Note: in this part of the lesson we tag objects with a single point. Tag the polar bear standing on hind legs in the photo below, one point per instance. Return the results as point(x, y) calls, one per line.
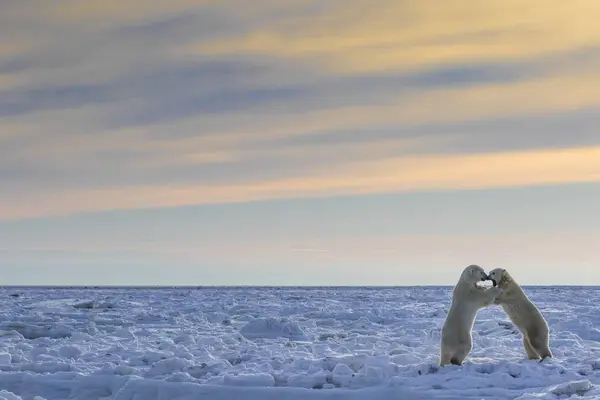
point(523, 314)
point(467, 300)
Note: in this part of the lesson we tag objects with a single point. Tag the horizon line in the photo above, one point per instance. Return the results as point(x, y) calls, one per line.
point(262, 286)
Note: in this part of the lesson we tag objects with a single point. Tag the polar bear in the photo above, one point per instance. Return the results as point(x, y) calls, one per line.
point(467, 299)
point(523, 314)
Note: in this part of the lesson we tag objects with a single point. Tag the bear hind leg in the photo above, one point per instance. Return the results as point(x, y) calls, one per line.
point(444, 361)
point(445, 358)
point(452, 357)
point(540, 346)
point(460, 354)
point(531, 353)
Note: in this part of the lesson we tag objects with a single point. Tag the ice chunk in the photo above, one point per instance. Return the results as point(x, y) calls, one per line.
point(271, 328)
point(259, 379)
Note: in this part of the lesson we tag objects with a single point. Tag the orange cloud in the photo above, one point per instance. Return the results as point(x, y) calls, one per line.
point(361, 36)
point(11, 81)
point(453, 172)
point(11, 47)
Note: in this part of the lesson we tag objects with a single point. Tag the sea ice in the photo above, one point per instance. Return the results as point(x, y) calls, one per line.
point(292, 343)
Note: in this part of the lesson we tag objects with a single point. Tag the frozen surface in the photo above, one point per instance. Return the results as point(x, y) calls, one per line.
point(275, 343)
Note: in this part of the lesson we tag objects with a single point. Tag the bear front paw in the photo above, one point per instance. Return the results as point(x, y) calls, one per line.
point(496, 291)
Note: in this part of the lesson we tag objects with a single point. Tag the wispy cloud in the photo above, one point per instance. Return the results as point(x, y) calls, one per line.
point(438, 172)
point(378, 35)
point(111, 105)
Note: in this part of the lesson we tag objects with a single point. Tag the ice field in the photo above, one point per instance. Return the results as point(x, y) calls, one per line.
point(283, 343)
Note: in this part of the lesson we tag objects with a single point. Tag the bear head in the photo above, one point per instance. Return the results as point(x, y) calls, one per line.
point(473, 274)
point(500, 277)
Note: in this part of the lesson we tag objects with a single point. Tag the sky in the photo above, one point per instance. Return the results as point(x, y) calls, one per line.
point(298, 142)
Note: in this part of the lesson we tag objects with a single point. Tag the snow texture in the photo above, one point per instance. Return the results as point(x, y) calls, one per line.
point(283, 343)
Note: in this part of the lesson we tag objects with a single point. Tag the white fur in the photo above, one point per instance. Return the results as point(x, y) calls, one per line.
point(467, 299)
point(523, 314)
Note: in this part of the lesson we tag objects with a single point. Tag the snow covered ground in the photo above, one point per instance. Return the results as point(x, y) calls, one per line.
point(283, 343)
